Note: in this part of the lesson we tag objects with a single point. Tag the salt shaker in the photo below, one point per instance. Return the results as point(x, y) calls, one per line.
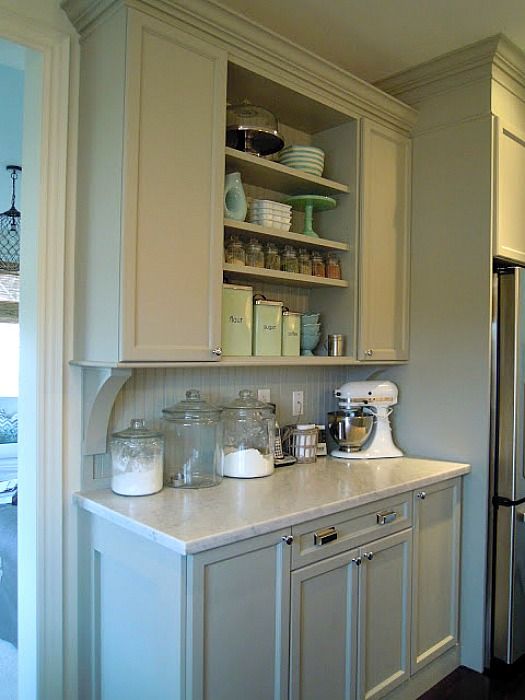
point(137, 460)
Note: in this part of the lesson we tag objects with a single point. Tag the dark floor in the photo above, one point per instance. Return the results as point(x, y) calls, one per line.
point(465, 684)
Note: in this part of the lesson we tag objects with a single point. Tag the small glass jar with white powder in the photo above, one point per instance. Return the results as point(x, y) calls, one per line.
point(137, 459)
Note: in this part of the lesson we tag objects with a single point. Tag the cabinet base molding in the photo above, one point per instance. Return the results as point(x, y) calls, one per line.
point(427, 677)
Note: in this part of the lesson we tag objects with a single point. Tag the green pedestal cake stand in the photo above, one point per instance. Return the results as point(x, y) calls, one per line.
point(310, 203)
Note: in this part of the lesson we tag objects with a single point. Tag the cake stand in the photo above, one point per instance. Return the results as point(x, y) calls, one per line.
point(310, 203)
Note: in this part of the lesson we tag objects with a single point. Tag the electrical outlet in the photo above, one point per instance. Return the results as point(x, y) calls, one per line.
point(264, 395)
point(297, 403)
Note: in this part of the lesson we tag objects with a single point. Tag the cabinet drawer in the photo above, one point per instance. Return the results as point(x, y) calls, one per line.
point(318, 539)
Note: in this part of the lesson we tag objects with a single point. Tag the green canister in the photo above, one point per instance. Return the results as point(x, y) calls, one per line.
point(291, 334)
point(237, 319)
point(267, 323)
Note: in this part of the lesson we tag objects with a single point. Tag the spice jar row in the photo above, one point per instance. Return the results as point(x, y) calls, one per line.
point(286, 258)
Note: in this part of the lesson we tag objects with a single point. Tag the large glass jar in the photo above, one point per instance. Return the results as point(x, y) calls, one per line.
point(248, 437)
point(318, 266)
point(193, 443)
point(333, 267)
point(136, 460)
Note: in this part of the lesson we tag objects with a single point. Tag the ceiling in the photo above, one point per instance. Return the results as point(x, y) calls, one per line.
point(376, 38)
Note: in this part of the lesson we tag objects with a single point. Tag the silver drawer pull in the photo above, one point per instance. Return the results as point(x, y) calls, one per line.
point(386, 516)
point(321, 537)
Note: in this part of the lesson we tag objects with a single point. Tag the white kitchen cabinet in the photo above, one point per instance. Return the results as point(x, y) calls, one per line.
point(350, 610)
point(384, 254)
point(238, 614)
point(435, 592)
point(509, 203)
point(153, 91)
point(150, 180)
point(335, 607)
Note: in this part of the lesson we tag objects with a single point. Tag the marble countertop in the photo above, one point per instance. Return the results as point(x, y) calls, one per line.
point(190, 521)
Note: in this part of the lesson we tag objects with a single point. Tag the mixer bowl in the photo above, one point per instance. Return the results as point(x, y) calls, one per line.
point(350, 428)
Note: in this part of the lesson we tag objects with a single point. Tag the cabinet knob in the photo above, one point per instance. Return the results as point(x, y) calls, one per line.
point(368, 555)
point(287, 539)
point(217, 350)
point(421, 495)
point(357, 561)
point(369, 352)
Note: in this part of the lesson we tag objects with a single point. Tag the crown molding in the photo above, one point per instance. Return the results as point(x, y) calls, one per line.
point(261, 50)
point(494, 58)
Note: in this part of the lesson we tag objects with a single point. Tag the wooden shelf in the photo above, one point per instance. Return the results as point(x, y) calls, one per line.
point(278, 277)
point(275, 234)
point(280, 178)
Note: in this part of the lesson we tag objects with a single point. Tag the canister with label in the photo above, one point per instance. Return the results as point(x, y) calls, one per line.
point(237, 319)
point(267, 323)
point(291, 335)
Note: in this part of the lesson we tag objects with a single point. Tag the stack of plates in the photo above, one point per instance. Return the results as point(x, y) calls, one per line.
point(306, 158)
point(265, 212)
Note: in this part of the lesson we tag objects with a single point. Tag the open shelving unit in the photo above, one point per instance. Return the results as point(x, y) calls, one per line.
point(303, 121)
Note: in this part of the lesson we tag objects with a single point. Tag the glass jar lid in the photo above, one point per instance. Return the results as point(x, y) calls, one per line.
point(136, 430)
point(193, 407)
point(247, 401)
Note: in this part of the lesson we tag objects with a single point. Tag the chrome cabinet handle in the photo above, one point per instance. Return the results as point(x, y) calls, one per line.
point(217, 350)
point(329, 534)
point(421, 495)
point(386, 517)
point(369, 352)
point(287, 539)
point(357, 561)
point(368, 555)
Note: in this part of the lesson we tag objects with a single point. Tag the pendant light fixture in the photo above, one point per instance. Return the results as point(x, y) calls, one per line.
point(10, 229)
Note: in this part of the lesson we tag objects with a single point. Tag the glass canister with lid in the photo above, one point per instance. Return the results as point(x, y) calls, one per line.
point(137, 455)
point(248, 437)
point(254, 253)
point(194, 453)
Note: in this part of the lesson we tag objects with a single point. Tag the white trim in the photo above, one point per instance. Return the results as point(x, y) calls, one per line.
point(44, 664)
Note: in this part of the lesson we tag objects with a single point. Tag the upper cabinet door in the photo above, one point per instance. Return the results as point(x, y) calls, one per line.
point(384, 244)
point(509, 176)
point(173, 171)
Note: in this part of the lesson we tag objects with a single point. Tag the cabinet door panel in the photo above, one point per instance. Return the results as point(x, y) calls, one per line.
point(436, 572)
point(510, 204)
point(323, 630)
point(384, 245)
point(238, 621)
point(172, 215)
point(384, 615)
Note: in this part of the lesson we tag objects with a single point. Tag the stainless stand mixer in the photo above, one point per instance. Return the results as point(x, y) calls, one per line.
point(361, 428)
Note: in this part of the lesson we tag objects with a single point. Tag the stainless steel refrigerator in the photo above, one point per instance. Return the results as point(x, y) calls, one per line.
point(506, 594)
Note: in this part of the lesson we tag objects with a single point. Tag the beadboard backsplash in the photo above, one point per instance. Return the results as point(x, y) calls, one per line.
point(148, 391)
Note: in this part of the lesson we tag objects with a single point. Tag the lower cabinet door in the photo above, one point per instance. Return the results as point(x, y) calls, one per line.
point(323, 662)
point(384, 615)
point(238, 621)
point(437, 515)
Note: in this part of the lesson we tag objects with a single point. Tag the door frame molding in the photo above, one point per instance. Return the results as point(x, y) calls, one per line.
point(41, 561)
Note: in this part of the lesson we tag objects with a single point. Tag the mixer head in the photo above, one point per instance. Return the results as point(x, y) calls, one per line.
point(379, 394)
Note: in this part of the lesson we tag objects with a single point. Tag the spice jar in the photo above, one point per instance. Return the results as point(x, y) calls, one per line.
point(248, 437)
point(333, 267)
point(193, 443)
point(254, 254)
point(318, 266)
point(305, 262)
point(272, 257)
point(234, 252)
point(137, 456)
point(289, 262)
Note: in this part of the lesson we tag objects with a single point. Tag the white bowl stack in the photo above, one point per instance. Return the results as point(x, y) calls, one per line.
point(309, 159)
point(265, 212)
